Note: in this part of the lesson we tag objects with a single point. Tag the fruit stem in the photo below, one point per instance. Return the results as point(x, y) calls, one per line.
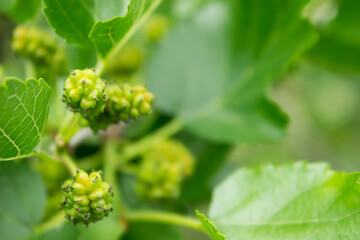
point(132, 150)
point(164, 217)
point(68, 162)
point(56, 220)
point(110, 163)
point(68, 128)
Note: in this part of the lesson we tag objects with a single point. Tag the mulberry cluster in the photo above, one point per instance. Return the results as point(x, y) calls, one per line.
point(128, 102)
point(40, 47)
point(84, 92)
point(86, 198)
point(162, 170)
point(102, 105)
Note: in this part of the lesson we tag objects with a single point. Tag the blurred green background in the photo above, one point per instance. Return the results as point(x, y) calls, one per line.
point(318, 91)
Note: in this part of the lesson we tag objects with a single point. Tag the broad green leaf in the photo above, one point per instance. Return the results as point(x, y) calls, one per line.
point(24, 110)
point(291, 201)
point(217, 85)
point(336, 53)
point(71, 19)
point(22, 200)
point(339, 44)
point(20, 10)
point(107, 34)
point(209, 227)
point(267, 36)
point(150, 231)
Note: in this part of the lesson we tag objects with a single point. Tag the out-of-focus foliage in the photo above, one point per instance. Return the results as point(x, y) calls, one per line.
point(292, 201)
point(249, 82)
point(20, 10)
point(223, 97)
point(23, 196)
point(339, 44)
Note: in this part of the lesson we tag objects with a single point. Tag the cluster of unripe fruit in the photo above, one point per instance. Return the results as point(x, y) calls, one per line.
point(103, 104)
point(83, 91)
point(40, 47)
point(127, 102)
point(163, 169)
point(86, 198)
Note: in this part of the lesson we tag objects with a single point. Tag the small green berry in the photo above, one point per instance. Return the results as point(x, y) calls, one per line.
point(156, 28)
point(128, 61)
point(124, 103)
point(162, 170)
point(83, 92)
point(86, 199)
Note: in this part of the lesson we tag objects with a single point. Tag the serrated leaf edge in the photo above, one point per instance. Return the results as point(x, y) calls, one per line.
point(212, 230)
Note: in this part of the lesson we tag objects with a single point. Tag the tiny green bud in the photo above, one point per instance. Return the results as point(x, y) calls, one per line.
point(78, 188)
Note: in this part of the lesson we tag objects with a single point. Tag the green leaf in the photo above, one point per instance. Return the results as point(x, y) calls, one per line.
point(216, 80)
point(266, 37)
point(339, 44)
point(261, 121)
point(71, 19)
point(116, 31)
point(199, 95)
point(335, 53)
point(291, 201)
point(24, 111)
point(20, 10)
point(22, 200)
point(209, 227)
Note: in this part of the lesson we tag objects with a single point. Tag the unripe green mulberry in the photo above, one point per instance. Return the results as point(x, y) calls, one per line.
point(40, 47)
point(125, 103)
point(127, 62)
point(156, 28)
point(84, 92)
point(86, 198)
point(162, 170)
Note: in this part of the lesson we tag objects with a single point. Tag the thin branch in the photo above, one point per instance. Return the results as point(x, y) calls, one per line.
point(132, 150)
point(56, 220)
point(165, 217)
